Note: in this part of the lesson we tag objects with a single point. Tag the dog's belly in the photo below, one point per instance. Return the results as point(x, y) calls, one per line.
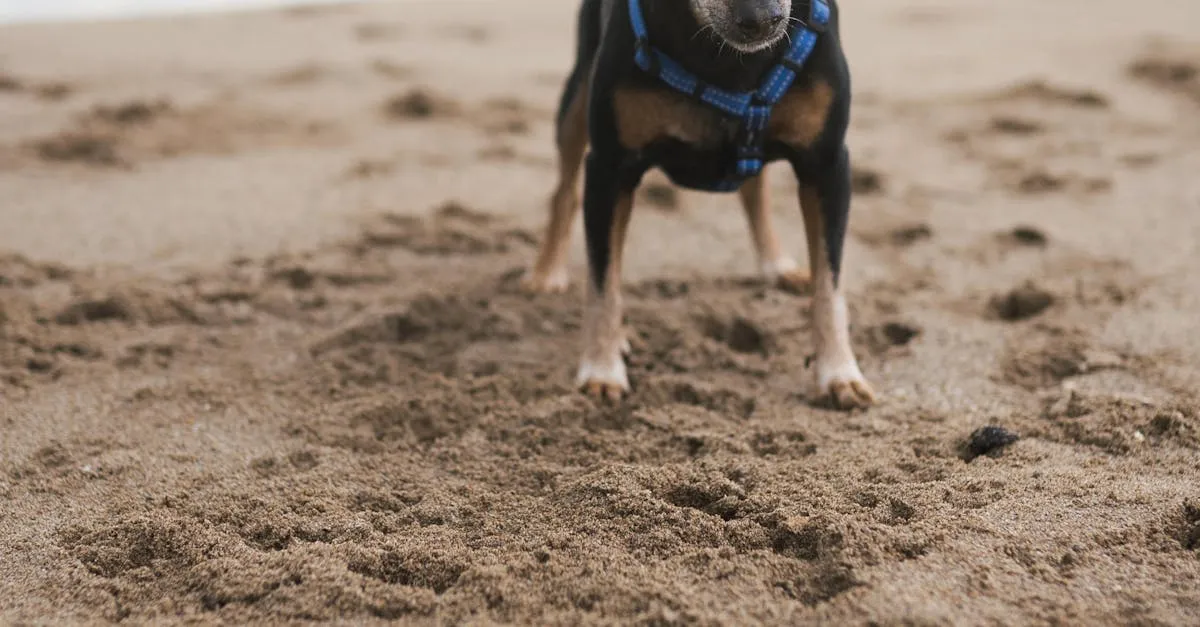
point(690, 142)
point(691, 167)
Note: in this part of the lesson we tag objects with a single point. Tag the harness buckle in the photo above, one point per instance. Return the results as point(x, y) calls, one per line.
point(750, 145)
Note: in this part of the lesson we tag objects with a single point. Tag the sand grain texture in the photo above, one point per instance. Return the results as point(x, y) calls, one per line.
point(264, 357)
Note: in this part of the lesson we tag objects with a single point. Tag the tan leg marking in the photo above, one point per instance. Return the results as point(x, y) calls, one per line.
point(549, 272)
point(838, 375)
point(646, 115)
point(775, 265)
point(602, 372)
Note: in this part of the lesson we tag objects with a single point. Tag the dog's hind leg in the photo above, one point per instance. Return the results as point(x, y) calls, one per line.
point(775, 265)
point(549, 272)
point(826, 206)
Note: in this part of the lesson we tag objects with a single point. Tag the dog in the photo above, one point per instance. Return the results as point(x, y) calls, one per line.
point(709, 92)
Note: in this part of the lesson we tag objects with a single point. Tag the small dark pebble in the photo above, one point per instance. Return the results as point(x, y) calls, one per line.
point(985, 440)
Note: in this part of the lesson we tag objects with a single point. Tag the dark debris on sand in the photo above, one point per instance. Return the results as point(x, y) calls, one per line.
point(987, 440)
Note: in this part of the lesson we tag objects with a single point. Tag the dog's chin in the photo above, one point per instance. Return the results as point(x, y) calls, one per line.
point(750, 46)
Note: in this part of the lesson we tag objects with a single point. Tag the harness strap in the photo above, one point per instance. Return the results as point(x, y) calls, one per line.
point(752, 107)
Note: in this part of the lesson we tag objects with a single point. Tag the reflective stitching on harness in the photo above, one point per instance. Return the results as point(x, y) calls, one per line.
point(754, 107)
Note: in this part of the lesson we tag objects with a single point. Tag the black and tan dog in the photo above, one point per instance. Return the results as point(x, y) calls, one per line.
point(709, 91)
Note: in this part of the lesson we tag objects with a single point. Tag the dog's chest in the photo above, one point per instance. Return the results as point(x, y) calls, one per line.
point(649, 115)
point(693, 142)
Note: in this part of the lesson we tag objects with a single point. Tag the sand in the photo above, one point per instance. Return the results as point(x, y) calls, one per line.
point(264, 357)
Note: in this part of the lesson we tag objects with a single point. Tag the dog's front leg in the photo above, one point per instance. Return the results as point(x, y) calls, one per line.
point(825, 201)
point(607, 205)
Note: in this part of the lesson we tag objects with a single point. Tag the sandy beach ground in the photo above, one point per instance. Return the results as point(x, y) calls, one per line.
point(263, 355)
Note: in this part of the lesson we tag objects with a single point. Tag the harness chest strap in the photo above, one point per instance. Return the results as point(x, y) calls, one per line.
point(753, 108)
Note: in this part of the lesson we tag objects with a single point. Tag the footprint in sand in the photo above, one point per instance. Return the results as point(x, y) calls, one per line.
point(495, 117)
point(451, 230)
point(47, 91)
point(1175, 72)
point(123, 134)
point(379, 31)
point(300, 75)
point(420, 104)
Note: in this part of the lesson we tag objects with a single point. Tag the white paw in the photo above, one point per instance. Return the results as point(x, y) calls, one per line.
point(785, 272)
point(553, 281)
point(603, 379)
point(845, 386)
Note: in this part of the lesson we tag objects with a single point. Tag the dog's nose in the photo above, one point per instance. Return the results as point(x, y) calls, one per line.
point(759, 23)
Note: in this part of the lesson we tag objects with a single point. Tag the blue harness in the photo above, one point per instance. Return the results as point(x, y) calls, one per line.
point(752, 108)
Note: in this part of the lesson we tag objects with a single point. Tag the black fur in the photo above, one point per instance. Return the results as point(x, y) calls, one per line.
point(605, 57)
